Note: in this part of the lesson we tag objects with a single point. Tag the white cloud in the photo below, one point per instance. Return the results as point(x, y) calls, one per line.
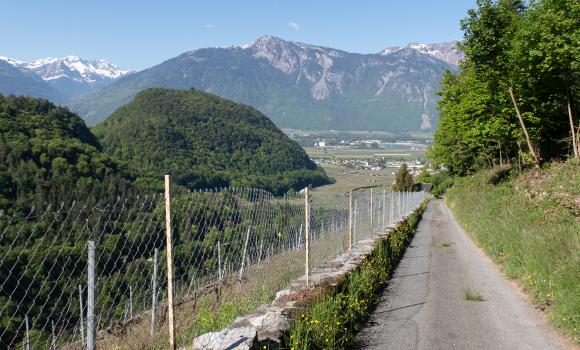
point(209, 26)
point(294, 25)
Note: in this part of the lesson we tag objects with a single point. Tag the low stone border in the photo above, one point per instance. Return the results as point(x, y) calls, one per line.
point(270, 323)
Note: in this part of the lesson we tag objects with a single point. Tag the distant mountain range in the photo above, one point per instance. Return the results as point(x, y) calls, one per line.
point(447, 51)
point(297, 85)
point(58, 79)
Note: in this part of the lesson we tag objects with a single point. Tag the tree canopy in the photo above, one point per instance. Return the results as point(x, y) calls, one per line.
point(530, 50)
point(205, 141)
point(403, 179)
point(47, 154)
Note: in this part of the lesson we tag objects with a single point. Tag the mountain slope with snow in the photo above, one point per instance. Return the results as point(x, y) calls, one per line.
point(297, 85)
point(15, 81)
point(447, 51)
point(70, 76)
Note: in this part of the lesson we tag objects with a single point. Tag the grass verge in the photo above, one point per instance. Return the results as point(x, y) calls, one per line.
point(529, 224)
point(333, 320)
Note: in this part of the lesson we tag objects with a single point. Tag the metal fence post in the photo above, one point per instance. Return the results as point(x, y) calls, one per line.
point(372, 213)
point(219, 251)
point(350, 222)
point(170, 314)
point(154, 293)
point(91, 297)
point(261, 247)
point(306, 235)
point(355, 223)
point(27, 336)
point(244, 253)
point(53, 336)
point(391, 208)
point(82, 324)
point(130, 302)
point(384, 209)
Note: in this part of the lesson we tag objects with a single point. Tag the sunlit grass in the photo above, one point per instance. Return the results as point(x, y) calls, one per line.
point(530, 225)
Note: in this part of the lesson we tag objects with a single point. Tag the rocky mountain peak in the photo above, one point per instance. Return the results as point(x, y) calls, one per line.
point(446, 51)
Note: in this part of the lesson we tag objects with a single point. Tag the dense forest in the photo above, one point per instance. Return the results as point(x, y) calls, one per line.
point(515, 98)
point(205, 141)
point(61, 186)
point(48, 155)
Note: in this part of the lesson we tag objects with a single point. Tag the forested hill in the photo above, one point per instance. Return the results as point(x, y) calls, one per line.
point(48, 155)
point(204, 141)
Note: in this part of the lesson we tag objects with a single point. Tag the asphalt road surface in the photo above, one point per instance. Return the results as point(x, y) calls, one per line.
point(424, 306)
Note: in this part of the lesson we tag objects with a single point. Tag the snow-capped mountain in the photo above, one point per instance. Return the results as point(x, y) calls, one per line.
point(75, 68)
point(297, 85)
point(447, 51)
point(70, 76)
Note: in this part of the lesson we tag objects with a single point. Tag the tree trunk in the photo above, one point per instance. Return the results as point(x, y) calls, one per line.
point(530, 147)
point(574, 141)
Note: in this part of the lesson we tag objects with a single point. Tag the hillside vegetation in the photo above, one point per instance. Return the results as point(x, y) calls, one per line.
point(529, 224)
point(59, 187)
point(47, 154)
point(515, 97)
point(205, 141)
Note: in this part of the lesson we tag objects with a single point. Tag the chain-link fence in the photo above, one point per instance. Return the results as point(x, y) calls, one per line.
point(75, 275)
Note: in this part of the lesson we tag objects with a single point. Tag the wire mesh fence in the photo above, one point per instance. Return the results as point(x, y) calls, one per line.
point(75, 275)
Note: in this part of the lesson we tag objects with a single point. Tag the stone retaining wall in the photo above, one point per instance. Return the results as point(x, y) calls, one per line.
point(270, 323)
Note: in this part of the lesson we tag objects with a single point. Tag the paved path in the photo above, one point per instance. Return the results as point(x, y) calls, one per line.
point(424, 306)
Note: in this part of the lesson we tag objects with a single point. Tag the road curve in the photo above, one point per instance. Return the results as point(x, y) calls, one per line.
point(424, 306)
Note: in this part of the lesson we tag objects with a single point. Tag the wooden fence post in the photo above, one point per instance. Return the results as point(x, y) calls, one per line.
point(91, 297)
point(306, 235)
point(169, 248)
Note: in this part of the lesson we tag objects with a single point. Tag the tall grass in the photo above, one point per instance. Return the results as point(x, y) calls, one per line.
point(529, 224)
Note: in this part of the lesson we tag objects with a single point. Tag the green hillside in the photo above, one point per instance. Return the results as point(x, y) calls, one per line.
point(47, 154)
point(205, 141)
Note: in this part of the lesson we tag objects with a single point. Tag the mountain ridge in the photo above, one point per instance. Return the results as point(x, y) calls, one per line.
point(70, 76)
point(297, 84)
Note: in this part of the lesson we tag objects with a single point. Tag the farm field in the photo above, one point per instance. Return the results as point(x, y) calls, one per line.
point(365, 153)
point(347, 178)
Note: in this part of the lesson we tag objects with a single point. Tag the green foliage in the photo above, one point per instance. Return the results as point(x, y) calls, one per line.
point(403, 179)
point(49, 158)
point(333, 321)
point(425, 176)
point(48, 155)
point(530, 50)
point(205, 141)
point(442, 183)
point(528, 224)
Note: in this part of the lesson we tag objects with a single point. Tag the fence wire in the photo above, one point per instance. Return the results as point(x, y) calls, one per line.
point(221, 238)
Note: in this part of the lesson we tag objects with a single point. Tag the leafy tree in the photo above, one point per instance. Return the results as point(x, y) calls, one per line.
point(403, 180)
point(518, 85)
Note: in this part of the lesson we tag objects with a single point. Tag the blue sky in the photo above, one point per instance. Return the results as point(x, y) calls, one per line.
point(139, 34)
